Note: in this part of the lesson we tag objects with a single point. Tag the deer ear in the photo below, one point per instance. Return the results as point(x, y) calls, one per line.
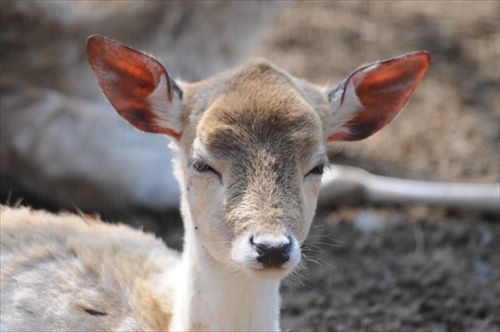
point(372, 96)
point(137, 86)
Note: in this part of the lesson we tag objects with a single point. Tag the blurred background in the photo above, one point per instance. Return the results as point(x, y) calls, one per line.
point(369, 268)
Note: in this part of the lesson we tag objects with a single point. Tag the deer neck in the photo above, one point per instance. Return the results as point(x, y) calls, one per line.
point(212, 297)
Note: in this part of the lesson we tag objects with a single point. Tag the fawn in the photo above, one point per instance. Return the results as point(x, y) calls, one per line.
point(250, 152)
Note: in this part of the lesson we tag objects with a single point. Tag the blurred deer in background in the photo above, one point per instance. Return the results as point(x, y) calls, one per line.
point(60, 143)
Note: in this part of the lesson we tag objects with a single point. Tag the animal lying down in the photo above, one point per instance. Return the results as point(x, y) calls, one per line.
point(250, 146)
point(68, 272)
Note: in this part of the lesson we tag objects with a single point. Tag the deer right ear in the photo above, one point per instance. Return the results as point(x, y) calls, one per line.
point(372, 96)
point(137, 86)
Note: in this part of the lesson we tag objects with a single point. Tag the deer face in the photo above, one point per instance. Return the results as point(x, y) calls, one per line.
point(254, 172)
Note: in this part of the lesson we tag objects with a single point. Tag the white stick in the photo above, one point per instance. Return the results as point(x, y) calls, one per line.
point(348, 184)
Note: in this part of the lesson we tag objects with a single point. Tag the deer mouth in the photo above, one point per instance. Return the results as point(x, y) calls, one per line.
point(270, 273)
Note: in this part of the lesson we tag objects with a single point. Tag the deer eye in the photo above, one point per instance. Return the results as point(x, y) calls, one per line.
point(318, 170)
point(202, 167)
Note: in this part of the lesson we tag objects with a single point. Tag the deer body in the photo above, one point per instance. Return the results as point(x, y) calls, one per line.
point(250, 151)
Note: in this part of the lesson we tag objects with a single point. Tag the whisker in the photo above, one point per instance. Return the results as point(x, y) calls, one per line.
point(321, 261)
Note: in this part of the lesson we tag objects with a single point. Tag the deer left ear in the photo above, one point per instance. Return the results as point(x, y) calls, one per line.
point(137, 86)
point(371, 97)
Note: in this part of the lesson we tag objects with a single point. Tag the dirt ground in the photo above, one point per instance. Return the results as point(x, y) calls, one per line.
point(422, 268)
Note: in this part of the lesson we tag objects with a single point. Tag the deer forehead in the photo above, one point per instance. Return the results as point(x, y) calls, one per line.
point(260, 115)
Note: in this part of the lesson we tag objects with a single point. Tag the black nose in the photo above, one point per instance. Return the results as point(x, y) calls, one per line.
point(272, 254)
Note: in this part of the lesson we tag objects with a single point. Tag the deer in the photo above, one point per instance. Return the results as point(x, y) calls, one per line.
point(249, 147)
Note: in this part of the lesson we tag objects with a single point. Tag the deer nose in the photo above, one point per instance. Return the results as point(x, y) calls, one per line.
point(272, 252)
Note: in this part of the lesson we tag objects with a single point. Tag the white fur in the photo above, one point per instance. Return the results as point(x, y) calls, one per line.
point(345, 104)
point(158, 101)
point(217, 298)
